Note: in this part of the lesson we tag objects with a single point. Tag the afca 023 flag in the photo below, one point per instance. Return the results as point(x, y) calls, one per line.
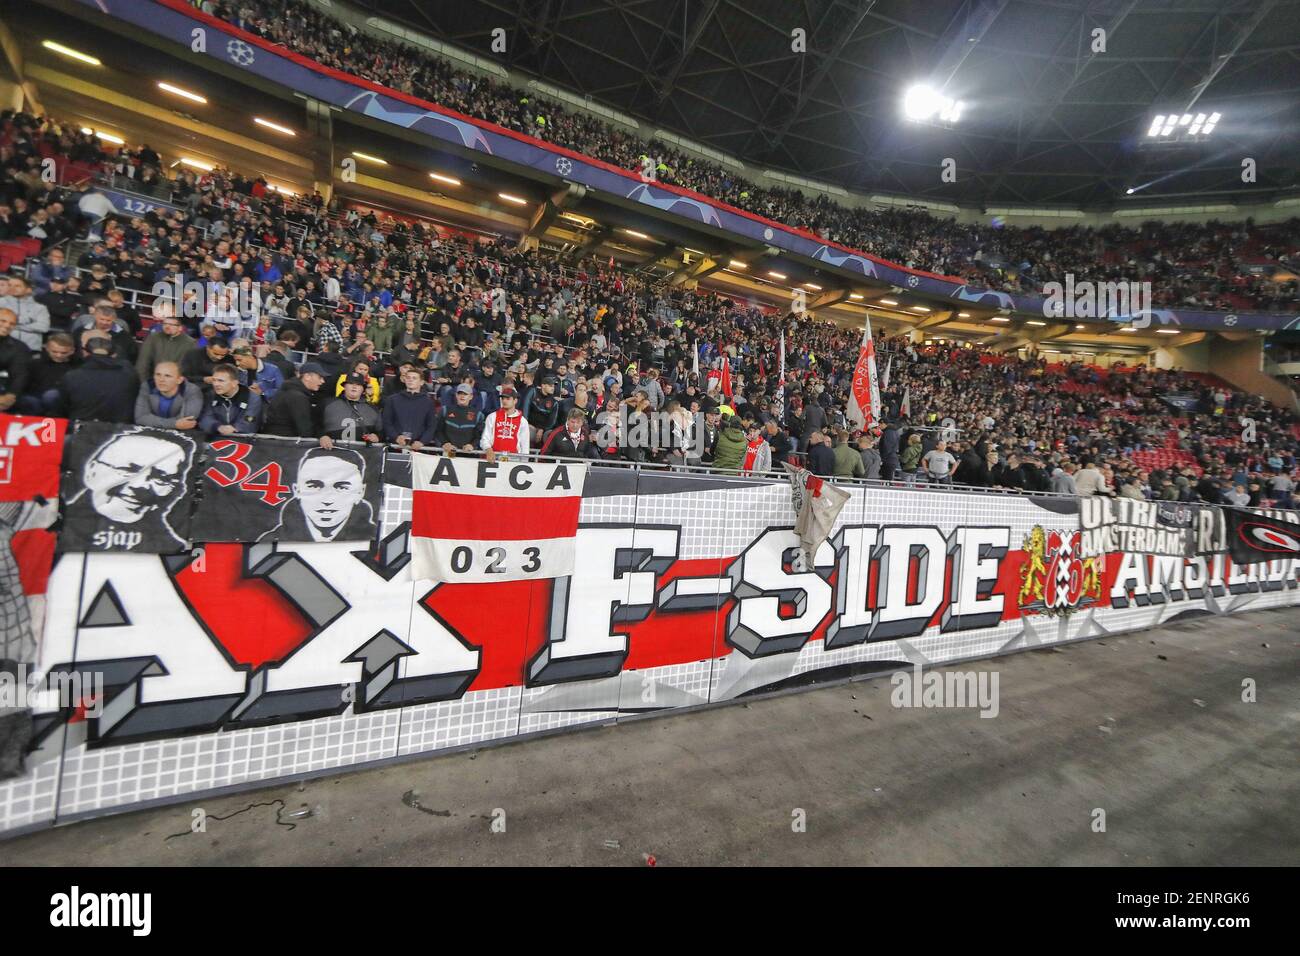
point(480, 521)
point(1253, 537)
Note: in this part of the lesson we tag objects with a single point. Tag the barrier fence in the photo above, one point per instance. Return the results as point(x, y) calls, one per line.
point(229, 665)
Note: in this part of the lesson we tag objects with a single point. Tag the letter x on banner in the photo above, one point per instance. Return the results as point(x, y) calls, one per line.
point(478, 521)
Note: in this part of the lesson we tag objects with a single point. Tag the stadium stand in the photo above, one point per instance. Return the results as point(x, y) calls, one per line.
point(1217, 266)
point(339, 286)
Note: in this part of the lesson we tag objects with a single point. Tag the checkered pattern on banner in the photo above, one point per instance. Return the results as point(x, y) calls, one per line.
point(67, 777)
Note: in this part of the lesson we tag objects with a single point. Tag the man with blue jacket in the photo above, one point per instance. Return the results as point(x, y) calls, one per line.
point(233, 409)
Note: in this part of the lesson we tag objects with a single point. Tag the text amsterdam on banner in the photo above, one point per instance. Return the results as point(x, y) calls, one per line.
point(473, 520)
point(278, 490)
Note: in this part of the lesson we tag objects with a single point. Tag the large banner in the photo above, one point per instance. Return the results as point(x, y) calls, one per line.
point(242, 663)
point(1172, 528)
point(127, 489)
point(282, 490)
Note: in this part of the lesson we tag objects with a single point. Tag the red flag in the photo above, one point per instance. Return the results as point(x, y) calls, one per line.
point(864, 397)
point(725, 383)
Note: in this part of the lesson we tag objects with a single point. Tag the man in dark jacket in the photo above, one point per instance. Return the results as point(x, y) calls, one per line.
point(197, 366)
point(461, 424)
point(542, 408)
point(821, 457)
point(409, 417)
point(233, 409)
point(350, 417)
point(104, 388)
point(45, 373)
point(889, 460)
point(296, 411)
point(15, 361)
point(571, 440)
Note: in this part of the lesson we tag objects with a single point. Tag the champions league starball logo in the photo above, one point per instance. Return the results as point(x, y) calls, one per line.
point(240, 52)
point(1055, 579)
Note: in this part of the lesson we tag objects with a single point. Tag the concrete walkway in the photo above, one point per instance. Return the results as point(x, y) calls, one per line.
point(1150, 728)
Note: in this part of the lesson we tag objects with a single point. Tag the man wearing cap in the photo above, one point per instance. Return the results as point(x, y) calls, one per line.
point(350, 417)
point(460, 426)
point(542, 408)
point(104, 388)
point(261, 377)
point(505, 430)
point(296, 411)
point(408, 416)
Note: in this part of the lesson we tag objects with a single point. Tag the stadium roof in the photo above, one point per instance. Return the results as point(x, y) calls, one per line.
point(1046, 121)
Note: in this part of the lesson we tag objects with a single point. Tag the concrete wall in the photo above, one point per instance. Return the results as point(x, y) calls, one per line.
point(1240, 361)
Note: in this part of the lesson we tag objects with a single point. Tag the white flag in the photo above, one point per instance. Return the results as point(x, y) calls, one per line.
point(864, 395)
point(817, 503)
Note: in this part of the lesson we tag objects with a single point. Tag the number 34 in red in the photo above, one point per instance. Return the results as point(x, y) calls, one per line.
point(233, 453)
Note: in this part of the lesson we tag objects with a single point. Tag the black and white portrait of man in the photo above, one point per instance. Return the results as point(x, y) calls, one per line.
point(329, 500)
point(129, 487)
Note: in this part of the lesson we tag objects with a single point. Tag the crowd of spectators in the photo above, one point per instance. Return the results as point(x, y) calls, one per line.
point(1211, 266)
point(304, 319)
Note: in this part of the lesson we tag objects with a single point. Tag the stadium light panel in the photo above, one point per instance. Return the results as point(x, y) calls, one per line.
point(776, 275)
point(889, 302)
point(514, 199)
point(1166, 331)
point(1034, 322)
point(1156, 123)
point(809, 285)
point(179, 91)
point(630, 232)
point(855, 295)
point(370, 159)
point(197, 164)
point(275, 126)
point(450, 181)
point(70, 52)
point(919, 308)
point(922, 102)
point(963, 315)
point(1000, 318)
point(737, 264)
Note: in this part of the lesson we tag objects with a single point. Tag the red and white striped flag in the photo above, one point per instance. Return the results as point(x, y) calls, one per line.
point(478, 521)
point(864, 396)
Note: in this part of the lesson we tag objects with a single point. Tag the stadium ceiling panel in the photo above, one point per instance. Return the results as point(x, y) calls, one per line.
point(1048, 117)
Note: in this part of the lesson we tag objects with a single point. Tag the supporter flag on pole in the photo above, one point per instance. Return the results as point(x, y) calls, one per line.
point(905, 409)
point(695, 359)
point(864, 396)
point(480, 521)
point(725, 383)
point(884, 379)
point(780, 388)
